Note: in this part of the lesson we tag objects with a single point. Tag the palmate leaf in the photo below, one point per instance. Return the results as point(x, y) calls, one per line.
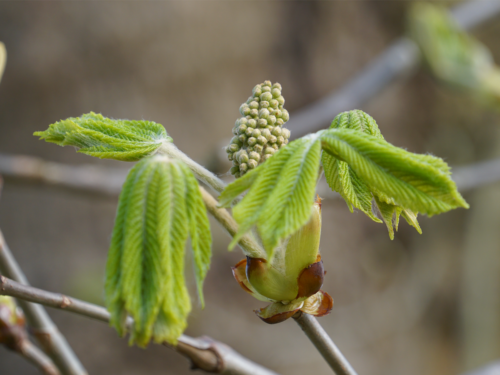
point(281, 193)
point(419, 183)
point(159, 207)
point(106, 138)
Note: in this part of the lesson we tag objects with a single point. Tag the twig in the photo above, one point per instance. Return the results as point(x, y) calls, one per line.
point(398, 60)
point(324, 344)
point(205, 353)
point(37, 357)
point(44, 329)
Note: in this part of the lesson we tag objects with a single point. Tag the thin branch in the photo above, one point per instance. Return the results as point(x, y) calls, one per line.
point(398, 60)
point(324, 344)
point(205, 353)
point(37, 358)
point(44, 329)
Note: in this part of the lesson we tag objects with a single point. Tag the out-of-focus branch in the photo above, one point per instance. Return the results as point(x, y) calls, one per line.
point(324, 344)
point(398, 60)
point(205, 353)
point(37, 358)
point(46, 332)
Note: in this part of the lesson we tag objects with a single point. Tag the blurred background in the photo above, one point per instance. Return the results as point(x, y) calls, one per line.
point(420, 304)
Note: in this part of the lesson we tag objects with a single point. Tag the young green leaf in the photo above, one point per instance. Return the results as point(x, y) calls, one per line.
point(281, 193)
point(105, 138)
point(420, 183)
point(160, 206)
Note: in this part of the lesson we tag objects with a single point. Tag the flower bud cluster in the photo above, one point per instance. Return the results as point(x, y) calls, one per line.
point(259, 133)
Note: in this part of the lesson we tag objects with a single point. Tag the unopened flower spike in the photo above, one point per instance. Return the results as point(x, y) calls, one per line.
point(292, 278)
point(259, 133)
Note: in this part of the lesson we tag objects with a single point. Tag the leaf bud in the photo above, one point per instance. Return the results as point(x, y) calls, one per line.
point(251, 141)
point(252, 123)
point(266, 96)
point(252, 163)
point(271, 119)
point(284, 115)
point(254, 112)
point(276, 92)
point(258, 148)
point(262, 123)
point(264, 104)
point(264, 113)
point(255, 156)
point(245, 109)
point(262, 140)
point(256, 133)
point(243, 167)
point(254, 105)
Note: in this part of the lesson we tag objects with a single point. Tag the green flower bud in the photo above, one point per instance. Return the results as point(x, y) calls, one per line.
point(266, 89)
point(285, 133)
point(254, 112)
point(251, 141)
point(234, 170)
point(242, 120)
point(276, 131)
point(262, 140)
point(258, 148)
point(256, 133)
point(285, 116)
point(243, 158)
point(271, 119)
point(281, 100)
point(253, 105)
point(280, 140)
point(276, 147)
point(241, 129)
point(267, 83)
point(267, 156)
point(269, 150)
point(282, 145)
point(233, 147)
point(249, 100)
point(243, 167)
point(274, 103)
point(244, 109)
point(277, 86)
point(249, 132)
point(278, 113)
point(263, 113)
point(237, 175)
point(272, 139)
point(252, 163)
point(242, 138)
point(279, 121)
point(262, 123)
point(266, 96)
point(266, 133)
point(230, 156)
point(250, 149)
point(252, 123)
point(276, 92)
point(257, 90)
point(264, 104)
point(235, 140)
point(254, 156)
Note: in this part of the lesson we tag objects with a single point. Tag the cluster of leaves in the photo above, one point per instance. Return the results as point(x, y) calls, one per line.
point(358, 163)
point(453, 56)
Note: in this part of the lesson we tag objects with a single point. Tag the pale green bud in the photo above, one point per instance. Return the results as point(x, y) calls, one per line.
point(243, 167)
point(235, 140)
point(267, 83)
point(271, 119)
point(279, 121)
point(280, 140)
point(266, 133)
point(257, 90)
point(258, 148)
point(262, 140)
point(254, 112)
point(256, 133)
point(264, 113)
point(234, 170)
point(255, 156)
point(253, 105)
point(264, 104)
point(242, 138)
point(242, 120)
point(241, 129)
point(276, 147)
point(285, 133)
point(266, 96)
point(250, 149)
point(267, 156)
point(277, 86)
point(266, 89)
point(285, 116)
point(243, 158)
point(252, 164)
point(237, 175)
point(252, 123)
point(281, 100)
point(244, 109)
point(249, 132)
point(274, 103)
point(276, 93)
point(250, 99)
point(272, 139)
point(230, 156)
point(252, 141)
point(283, 145)
point(262, 123)
point(269, 150)
point(276, 131)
